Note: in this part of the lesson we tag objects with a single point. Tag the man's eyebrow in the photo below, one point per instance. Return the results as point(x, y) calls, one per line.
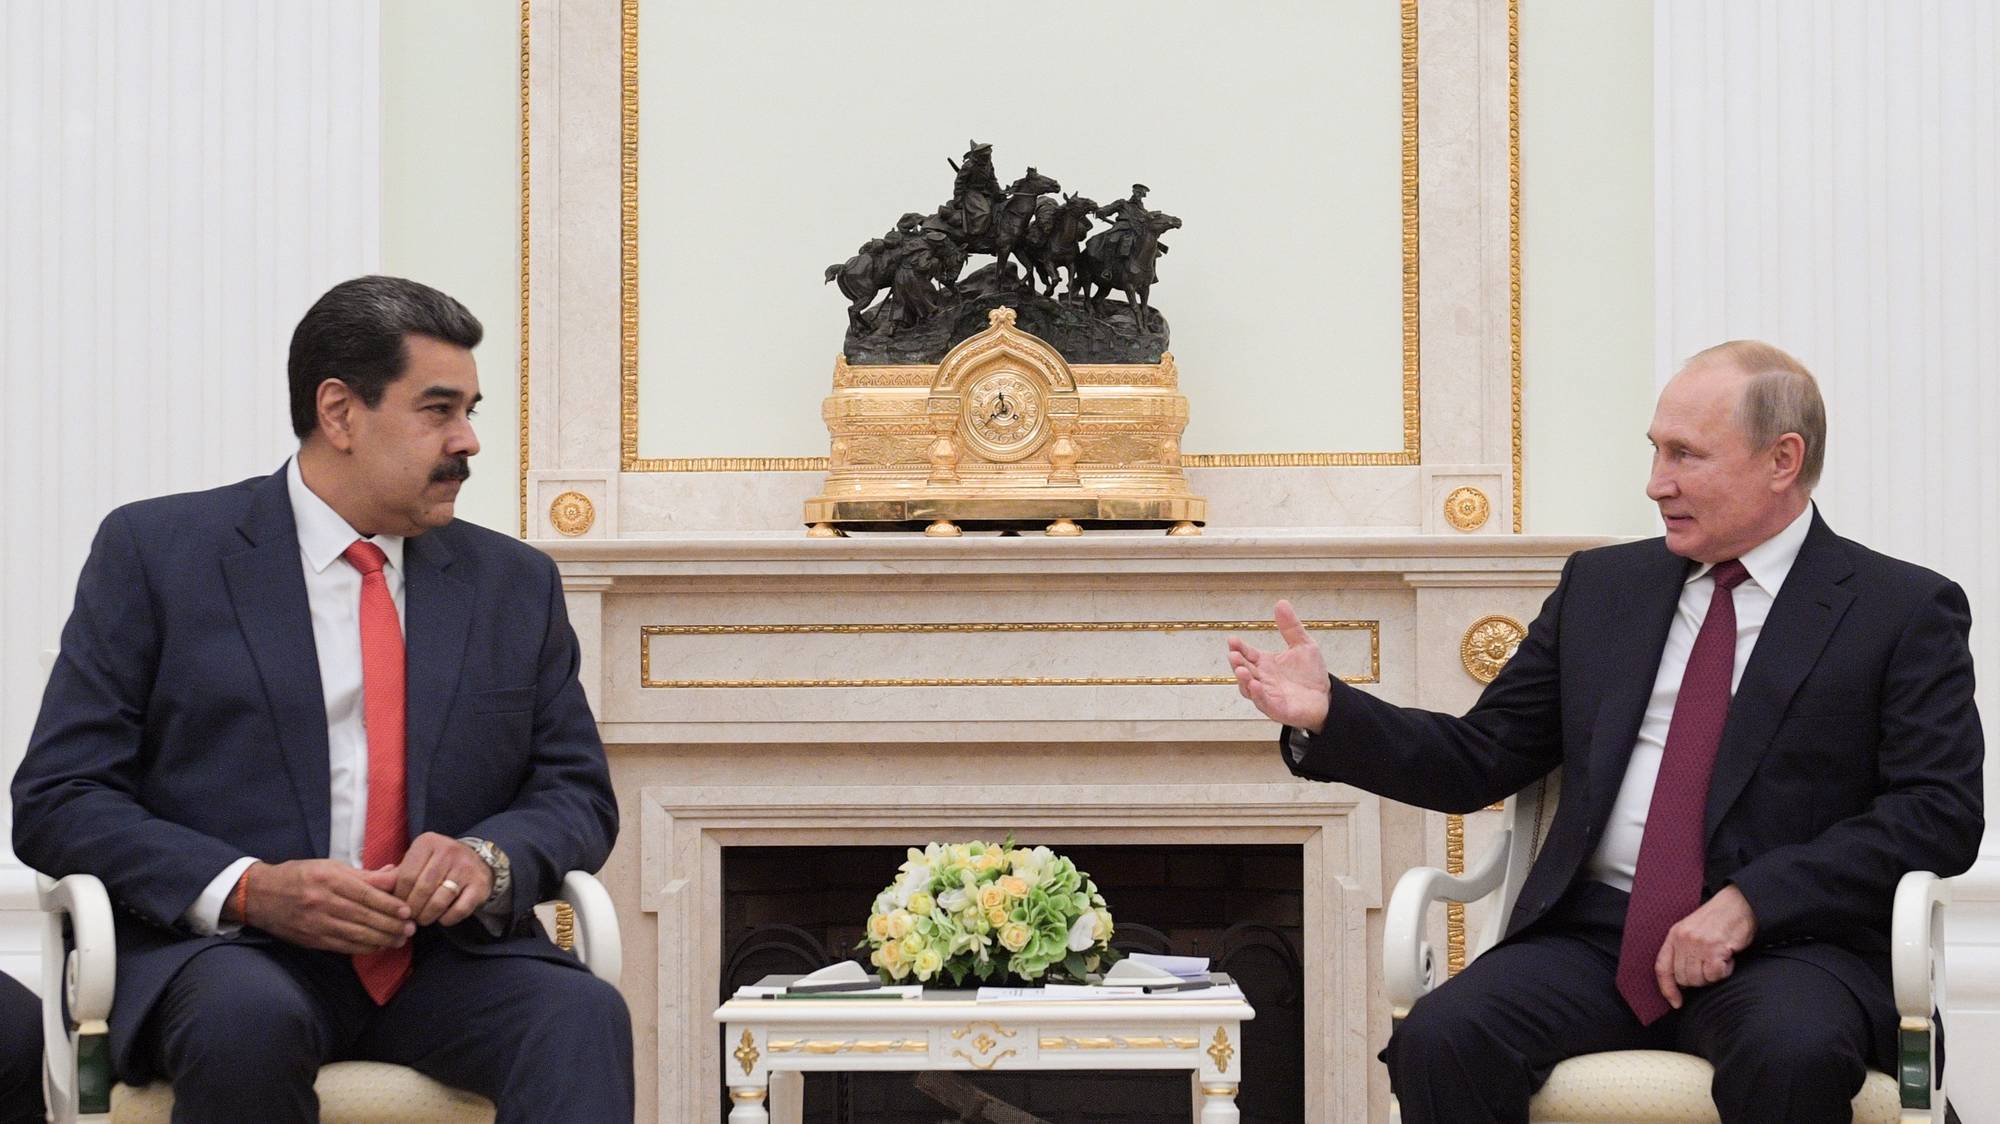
point(446, 394)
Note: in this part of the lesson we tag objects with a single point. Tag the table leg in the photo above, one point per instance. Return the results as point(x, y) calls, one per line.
point(749, 1105)
point(1218, 1104)
point(788, 1096)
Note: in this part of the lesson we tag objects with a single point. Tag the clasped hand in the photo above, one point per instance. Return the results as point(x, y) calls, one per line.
point(326, 904)
point(1289, 686)
point(1701, 948)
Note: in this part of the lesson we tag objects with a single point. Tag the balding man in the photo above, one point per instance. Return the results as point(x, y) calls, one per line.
point(1760, 727)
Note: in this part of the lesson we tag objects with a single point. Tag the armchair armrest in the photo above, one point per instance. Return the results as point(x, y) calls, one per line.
point(79, 975)
point(1409, 967)
point(1916, 952)
point(594, 938)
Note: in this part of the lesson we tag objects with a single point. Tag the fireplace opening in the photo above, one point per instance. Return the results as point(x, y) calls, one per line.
point(793, 909)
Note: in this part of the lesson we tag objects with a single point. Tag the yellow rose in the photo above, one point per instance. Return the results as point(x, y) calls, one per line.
point(920, 902)
point(1014, 936)
point(878, 927)
point(996, 917)
point(991, 897)
point(892, 956)
point(1103, 930)
point(913, 944)
point(1014, 885)
point(899, 925)
point(928, 963)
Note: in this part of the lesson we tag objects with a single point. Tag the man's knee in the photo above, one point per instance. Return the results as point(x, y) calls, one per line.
point(1438, 1028)
point(587, 1007)
point(234, 1008)
point(1803, 1054)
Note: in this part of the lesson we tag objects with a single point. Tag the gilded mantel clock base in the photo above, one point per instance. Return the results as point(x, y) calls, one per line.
point(1005, 435)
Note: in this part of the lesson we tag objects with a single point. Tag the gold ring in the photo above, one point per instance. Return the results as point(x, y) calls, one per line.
point(450, 886)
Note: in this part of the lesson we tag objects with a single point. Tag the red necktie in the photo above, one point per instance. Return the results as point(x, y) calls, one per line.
point(1666, 881)
point(387, 833)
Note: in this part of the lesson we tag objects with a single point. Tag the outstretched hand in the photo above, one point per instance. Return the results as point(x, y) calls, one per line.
point(1289, 686)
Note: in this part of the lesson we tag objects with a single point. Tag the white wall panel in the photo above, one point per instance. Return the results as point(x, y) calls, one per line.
point(179, 181)
point(1827, 177)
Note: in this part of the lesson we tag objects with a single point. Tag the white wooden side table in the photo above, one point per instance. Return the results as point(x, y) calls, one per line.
point(769, 1044)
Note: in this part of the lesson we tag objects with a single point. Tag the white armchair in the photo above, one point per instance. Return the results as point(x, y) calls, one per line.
point(79, 974)
point(1648, 1086)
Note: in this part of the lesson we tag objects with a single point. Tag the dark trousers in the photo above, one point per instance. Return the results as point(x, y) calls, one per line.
point(20, 1054)
point(1788, 1040)
point(242, 1030)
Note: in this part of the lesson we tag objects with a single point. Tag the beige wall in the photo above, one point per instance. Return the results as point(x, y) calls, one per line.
point(451, 174)
point(1587, 264)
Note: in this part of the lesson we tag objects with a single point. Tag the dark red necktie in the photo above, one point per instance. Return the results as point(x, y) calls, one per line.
point(1666, 881)
point(386, 834)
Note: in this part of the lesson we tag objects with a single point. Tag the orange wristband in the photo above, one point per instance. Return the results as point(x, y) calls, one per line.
point(243, 897)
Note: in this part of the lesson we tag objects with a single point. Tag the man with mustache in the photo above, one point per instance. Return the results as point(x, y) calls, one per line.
point(326, 747)
point(1759, 727)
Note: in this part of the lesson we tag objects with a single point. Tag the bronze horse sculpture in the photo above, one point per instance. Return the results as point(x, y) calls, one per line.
point(1056, 240)
point(1124, 259)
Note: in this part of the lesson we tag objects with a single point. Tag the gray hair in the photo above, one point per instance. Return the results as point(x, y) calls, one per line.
point(1780, 397)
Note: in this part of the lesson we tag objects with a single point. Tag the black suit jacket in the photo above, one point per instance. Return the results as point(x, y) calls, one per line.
point(183, 726)
point(1851, 755)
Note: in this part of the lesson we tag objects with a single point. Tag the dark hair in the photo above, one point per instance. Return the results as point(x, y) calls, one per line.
point(355, 334)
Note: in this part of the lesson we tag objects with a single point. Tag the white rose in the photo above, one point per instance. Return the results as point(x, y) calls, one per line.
point(954, 900)
point(1083, 934)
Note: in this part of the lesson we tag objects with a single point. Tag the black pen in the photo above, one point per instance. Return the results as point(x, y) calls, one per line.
point(1184, 985)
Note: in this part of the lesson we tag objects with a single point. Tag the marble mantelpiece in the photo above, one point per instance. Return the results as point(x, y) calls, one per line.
point(803, 686)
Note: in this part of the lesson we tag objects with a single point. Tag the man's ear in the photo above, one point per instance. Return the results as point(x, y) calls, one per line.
point(1788, 455)
point(337, 403)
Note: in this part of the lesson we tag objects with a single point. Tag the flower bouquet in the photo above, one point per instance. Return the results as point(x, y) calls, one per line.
point(980, 909)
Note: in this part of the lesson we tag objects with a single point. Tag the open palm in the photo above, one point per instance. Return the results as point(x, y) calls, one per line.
point(1290, 685)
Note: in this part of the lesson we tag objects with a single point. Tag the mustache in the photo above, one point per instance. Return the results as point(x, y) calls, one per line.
point(454, 468)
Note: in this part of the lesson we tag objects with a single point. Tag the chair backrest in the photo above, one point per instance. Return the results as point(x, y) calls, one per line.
point(1529, 814)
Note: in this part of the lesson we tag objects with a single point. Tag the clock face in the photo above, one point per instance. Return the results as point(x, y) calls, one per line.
point(1004, 415)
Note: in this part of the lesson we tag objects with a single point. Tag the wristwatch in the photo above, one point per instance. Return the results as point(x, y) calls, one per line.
point(495, 859)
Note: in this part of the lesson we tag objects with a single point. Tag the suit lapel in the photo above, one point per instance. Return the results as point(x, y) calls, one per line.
point(437, 612)
point(1657, 593)
point(267, 586)
point(1803, 617)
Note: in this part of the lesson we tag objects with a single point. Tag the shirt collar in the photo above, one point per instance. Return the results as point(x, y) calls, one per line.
point(1770, 561)
point(323, 534)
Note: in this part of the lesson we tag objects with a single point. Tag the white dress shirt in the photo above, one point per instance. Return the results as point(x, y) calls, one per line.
point(333, 592)
point(1769, 562)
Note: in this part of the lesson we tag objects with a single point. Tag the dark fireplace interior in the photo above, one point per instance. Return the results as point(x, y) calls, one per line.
point(794, 909)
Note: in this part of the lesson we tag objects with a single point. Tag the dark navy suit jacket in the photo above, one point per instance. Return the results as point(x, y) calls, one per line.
point(183, 726)
point(1851, 755)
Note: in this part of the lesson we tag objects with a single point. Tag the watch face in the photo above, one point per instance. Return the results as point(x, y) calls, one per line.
point(1004, 415)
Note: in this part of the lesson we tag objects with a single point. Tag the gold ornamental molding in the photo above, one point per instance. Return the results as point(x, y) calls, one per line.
point(746, 1053)
point(628, 443)
point(572, 514)
point(1118, 1042)
point(1466, 508)
point(1454, 912)
point(522, 482)
point(648, 632)
point(1221, 1051)
point(834, 1046)
point(1514, 239)
point(1488, 645)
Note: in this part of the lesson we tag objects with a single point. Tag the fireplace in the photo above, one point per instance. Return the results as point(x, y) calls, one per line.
point(793, 909)
point(1272, 881)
